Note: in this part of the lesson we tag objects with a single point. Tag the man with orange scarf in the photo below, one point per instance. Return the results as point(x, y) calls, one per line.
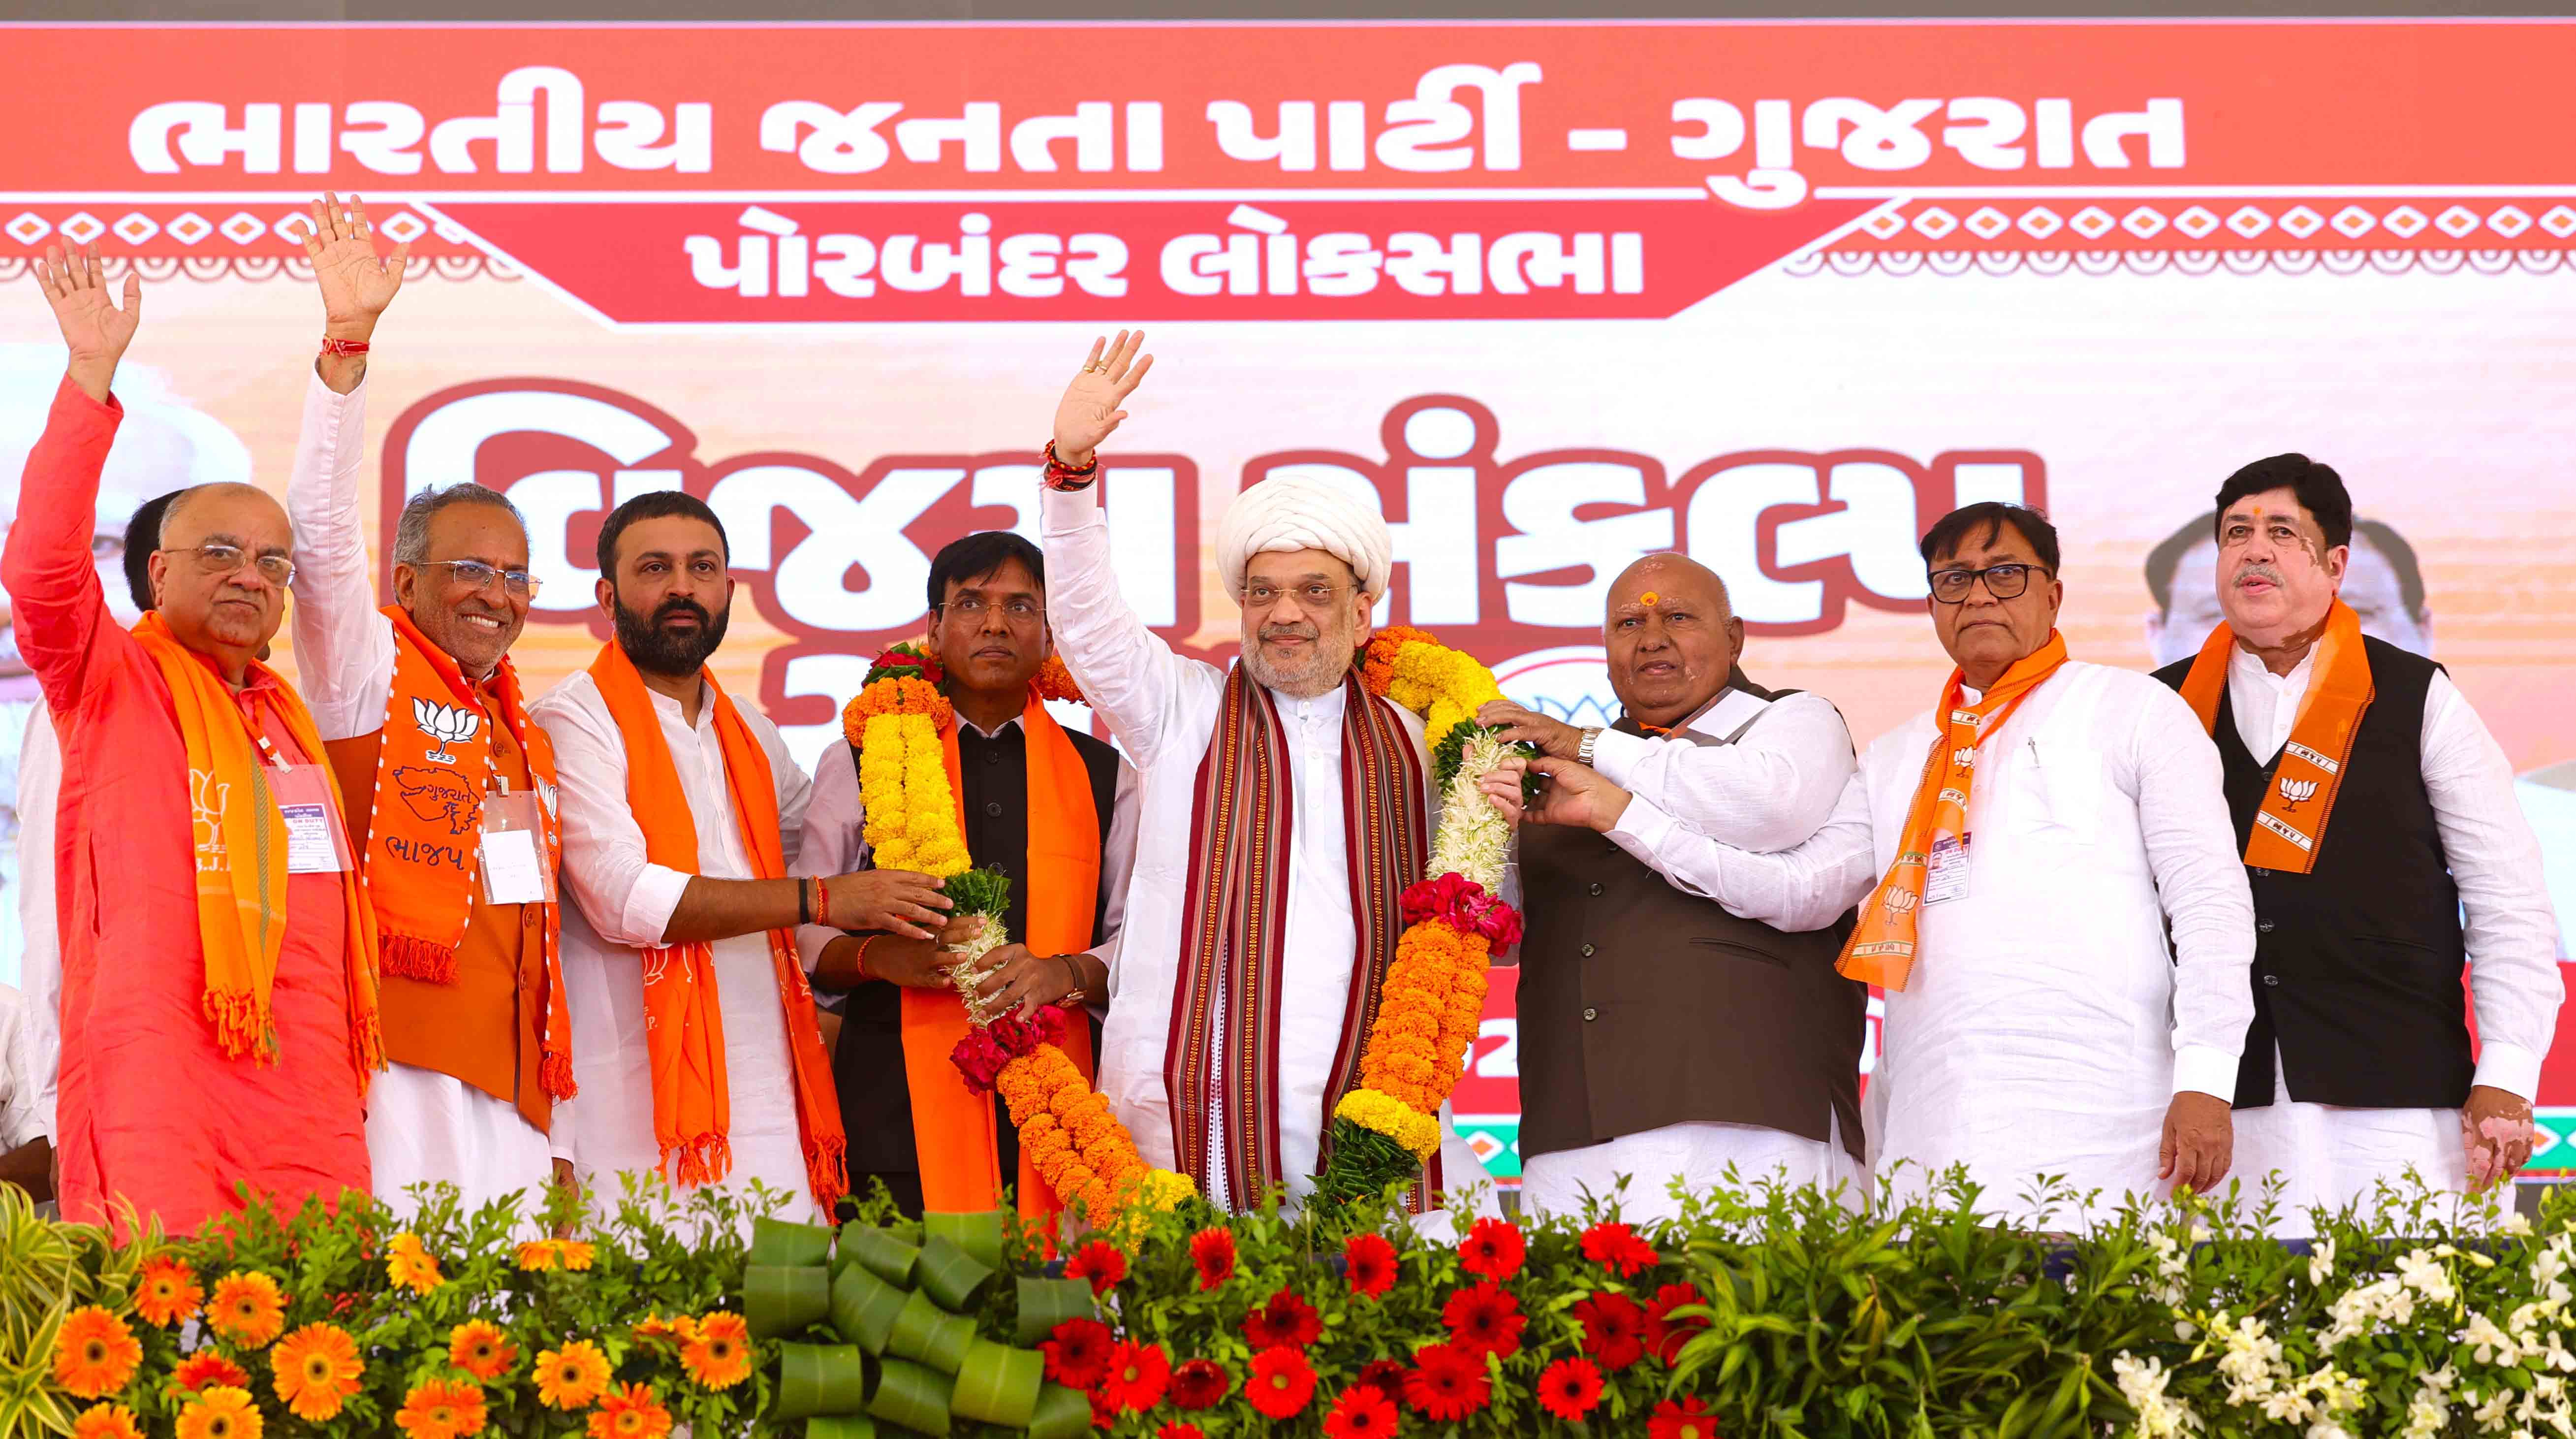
point(219, 962)
point(451, 786)
point(2018, 855)
point(694, 1037)
point(2373, 809)
point(1053, 808)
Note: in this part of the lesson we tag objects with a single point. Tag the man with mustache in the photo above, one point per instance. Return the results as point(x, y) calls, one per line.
point(694, 1038)
point(1054, 809)
point(1627, 967)
point(2021, 853)
point(219, 961)
point(1285, 809)
point(2372, 808)
point(451, 787)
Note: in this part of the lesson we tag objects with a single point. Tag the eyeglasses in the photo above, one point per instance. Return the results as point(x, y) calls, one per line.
point(1019, 610)
point(214, 558)
point(2004, 582)
point(1314, 597)
point(478, 575)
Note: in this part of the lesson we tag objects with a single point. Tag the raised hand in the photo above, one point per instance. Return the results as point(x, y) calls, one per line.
point(94, 329)
point(356, 285)
point(1090, 411)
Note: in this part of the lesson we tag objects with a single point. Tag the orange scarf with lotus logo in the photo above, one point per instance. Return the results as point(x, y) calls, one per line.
point(684, 1027)
point(1881, 948)
point(2292, 822)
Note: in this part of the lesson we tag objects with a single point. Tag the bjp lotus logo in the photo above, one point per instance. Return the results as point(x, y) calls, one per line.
point(2298, 791)
point(207, 800)
point(1964, 757)
point(1900, 901)
point(447, 724)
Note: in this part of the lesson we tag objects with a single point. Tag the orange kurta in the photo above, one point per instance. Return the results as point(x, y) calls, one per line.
point(151, 1109)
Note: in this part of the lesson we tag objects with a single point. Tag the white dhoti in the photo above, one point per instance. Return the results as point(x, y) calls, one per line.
point(424, 1128)
point(1701, 1156)
point(2325, 1156)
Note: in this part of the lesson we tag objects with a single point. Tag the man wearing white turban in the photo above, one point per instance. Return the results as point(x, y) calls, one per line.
point(1284, 810)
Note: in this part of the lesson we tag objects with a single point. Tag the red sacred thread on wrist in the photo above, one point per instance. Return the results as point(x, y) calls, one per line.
point(1061, 476)
point(822, 901)
point(331, 346)
point(859, 961)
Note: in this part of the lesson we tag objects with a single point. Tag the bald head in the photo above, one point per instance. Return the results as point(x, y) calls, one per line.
point(219, 577)
point(1673, 639)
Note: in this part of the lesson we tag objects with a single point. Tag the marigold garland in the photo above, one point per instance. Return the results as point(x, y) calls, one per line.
point(897, 721)
point(1431, 1003)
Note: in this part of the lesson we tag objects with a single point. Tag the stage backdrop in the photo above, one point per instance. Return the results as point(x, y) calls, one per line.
point(1554, 295)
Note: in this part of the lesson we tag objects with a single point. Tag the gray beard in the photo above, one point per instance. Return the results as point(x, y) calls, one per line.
point(1306, 682)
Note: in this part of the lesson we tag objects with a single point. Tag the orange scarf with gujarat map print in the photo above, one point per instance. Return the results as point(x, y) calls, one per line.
point(2292, 821)
point(424, 839)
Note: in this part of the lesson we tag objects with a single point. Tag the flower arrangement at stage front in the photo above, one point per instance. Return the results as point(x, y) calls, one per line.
point(898, 721)
point(1455, 919)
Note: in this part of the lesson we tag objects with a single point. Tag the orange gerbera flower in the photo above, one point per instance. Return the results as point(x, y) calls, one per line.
point(440, 1409)
point(573, 1376)
point(720, 1357)
point(247, 1309)
point(106, 1421)
point(679, 1328)
point(411, 1266)
point(316, 1370)
point(481, 1349)
point(220, 1412)
point(537, 1255)
point(630, 1412)
point(205, 1369)
point(167, 1291)
point(96, 1354)
point(577, 1254)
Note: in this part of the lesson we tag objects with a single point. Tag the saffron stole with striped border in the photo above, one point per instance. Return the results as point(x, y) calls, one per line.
point(1236, 914)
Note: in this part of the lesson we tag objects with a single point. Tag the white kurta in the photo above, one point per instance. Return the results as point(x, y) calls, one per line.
point(2046, 1026)
point(1768, 790)
point(19, 1087)
point(423, 1127)
point(1163, 708)
point(622, 904)
point(2329, 1156)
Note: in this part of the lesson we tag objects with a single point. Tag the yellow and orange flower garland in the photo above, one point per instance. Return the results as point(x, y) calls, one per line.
point(1434, 995)
point(1077, 1145)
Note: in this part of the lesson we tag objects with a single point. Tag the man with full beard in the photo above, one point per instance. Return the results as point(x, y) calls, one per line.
point(694, 1039)
point(1285, 808)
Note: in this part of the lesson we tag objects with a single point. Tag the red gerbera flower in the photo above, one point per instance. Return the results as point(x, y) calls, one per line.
point(1200, 1384)
point(1614, 1329)
point(1100, 1262)
point(1569, 1389)
point(1448, 1383)
point(1286, 1320)
point(1363, 1412)
point(207, 1369)
point(1386, 1376)
point(1685, 1420)
point(1369, 1262)
point(1212, 1250)
point(1179, 1429)
point(1281, 1383)
point(1137, 1376)
point(1665, 1335)
point(1617, 1248)
point(1484, 1320)
point(1077, 1353)
point(1494, 1249)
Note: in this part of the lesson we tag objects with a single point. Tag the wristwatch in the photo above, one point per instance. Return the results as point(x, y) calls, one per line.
point(1583, 752)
